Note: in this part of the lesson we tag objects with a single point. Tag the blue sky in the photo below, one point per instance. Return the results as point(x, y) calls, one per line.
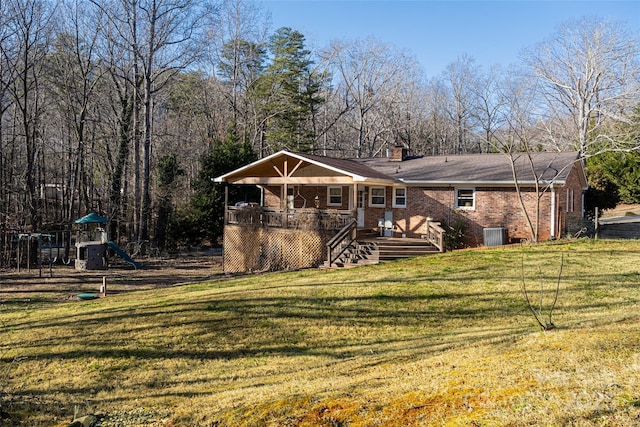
point(438, 32)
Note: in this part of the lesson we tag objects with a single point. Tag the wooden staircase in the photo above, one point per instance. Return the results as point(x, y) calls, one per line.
point(395, 248)
point(356, 254)
point(352, 247)
point(371, 250)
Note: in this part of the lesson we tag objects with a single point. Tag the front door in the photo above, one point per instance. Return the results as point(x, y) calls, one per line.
point(388, 223)
point(360, 209)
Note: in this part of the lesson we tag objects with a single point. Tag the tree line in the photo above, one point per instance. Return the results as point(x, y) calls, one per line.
point(129, 107)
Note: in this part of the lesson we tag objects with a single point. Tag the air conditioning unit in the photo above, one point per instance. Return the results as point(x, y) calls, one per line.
point(495, 236)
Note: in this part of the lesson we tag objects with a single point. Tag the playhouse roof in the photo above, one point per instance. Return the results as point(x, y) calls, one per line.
point(92, 218)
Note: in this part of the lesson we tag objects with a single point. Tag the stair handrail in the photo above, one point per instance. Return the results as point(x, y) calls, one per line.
point(341, 241)
point(435, 235)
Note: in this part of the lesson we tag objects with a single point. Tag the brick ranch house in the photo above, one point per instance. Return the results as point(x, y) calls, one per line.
point(313, 207)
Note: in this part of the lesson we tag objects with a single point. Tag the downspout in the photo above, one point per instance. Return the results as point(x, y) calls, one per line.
point(553, 212)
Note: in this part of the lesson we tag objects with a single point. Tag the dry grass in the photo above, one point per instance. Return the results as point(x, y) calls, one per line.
point(438, 340)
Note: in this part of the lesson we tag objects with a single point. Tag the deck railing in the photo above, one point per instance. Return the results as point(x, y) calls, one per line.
point(307, 219)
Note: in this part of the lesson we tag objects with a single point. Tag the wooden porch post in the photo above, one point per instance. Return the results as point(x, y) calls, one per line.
point(226, 204)
point(285, 195)
point(354, 210)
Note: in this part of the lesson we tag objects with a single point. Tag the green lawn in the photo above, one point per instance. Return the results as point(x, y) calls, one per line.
point(439, 340)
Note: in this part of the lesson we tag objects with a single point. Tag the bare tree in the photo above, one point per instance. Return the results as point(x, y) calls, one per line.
point(490, 103)
point(237, 52)
point(372, 81)
point(438, 129)
point(537, 312)
point(162, 37)
point(517, 140)
point(589, 72)
point(7, 54)
point(170, 45)
point(461, 77)
point(74, 74)
point(30, 24)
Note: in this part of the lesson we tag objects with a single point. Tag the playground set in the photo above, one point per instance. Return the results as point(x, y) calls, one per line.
point(92, 245)
point(92, 241)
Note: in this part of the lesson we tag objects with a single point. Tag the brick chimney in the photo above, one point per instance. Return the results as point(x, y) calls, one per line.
point(397, 153)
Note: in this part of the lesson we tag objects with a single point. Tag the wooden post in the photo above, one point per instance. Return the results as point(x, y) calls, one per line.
point(285, 191)
point(226, 204)
point(29, 253)
point(40, 253)
point(354, 208)
point(103, 288)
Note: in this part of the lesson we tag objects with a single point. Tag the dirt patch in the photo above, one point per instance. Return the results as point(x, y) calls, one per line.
point(63, 283)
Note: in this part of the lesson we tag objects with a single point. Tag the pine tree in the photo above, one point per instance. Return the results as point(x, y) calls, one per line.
point(290, 92)
point(208, 201)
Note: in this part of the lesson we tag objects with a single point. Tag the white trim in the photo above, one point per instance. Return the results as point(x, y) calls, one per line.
point(553, 213)
point(354, 177)
point(333, 187)
point(384, 195)
point(573, 201)
point(417, 182)
point(473, 198)
point(395, 196)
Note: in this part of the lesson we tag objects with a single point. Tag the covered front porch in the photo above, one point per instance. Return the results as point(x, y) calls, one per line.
point(310, 211)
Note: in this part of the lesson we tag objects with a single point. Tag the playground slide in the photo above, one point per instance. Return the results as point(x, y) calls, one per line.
point(123, 254)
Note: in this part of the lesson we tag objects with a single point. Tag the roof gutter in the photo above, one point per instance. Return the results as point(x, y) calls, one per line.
point(480, 183)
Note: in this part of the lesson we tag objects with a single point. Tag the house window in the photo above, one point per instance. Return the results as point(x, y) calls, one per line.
point(377, 197)
point(570, 201)
point(400, 197)
point(465, 198)
point(334, 196)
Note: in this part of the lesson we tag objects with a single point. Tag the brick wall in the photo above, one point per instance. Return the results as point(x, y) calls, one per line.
point(570, 215)
point(272, 196)
point(494, 207)
point(305, 196)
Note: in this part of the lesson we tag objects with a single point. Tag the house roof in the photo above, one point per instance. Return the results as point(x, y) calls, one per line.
point(469, 169)
point(303, 169)
point(349, 166)
point(477, 169)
